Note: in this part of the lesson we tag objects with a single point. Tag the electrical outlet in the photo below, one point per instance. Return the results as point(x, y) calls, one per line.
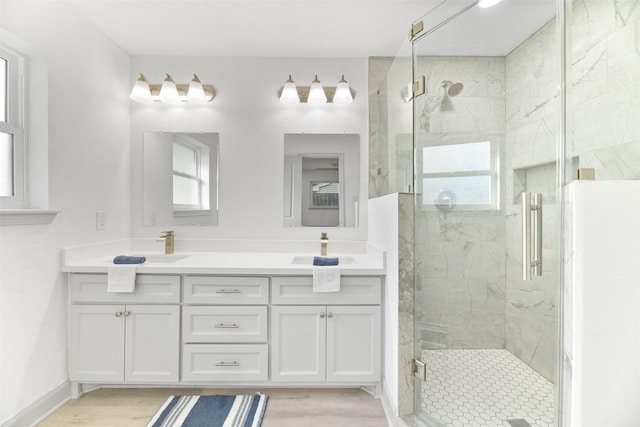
point(101, 220)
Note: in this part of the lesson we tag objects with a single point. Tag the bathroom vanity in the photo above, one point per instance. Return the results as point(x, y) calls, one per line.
point(207, 320)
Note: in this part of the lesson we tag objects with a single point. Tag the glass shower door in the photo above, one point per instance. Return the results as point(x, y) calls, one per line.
point(485, 132)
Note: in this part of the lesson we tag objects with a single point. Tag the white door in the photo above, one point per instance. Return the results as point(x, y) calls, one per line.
point(298, 343)
point(152, 339)
point(96, 341)
point(353, 343)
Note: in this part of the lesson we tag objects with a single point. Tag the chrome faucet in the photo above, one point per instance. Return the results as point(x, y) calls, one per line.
point(324, 241)
point(169, 239)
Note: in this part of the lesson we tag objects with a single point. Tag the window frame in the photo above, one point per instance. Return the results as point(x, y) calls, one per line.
point(203, 204)
point(15, 126)
point(493, 172)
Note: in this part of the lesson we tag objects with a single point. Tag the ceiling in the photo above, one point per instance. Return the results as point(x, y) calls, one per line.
point(302, 28)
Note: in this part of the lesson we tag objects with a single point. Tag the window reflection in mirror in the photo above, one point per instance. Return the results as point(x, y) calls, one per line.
point(322, 180)
point(180, 178)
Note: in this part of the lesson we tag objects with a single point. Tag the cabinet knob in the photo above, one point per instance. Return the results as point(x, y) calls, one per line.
point(118, 313)
point(330, 315)
point(127, 313)
point(322, 315)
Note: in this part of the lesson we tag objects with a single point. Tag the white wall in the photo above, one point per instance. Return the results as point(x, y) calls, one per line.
point(251, 121)
point(604, 341)
point(89, 159)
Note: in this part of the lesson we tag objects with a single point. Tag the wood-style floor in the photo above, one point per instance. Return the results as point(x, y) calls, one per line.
point(113, 407)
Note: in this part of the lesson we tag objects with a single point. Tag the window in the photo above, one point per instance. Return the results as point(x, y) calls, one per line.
point(325, 195)
point(12, 145)
point(190, 175)
point(461, 175)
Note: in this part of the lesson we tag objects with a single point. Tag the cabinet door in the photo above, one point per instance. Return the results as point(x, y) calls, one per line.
point(96, 343)
point(298, 343)
point(353, 343)
point(152, 343)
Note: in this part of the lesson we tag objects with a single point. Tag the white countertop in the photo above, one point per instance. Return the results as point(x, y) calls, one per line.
point(370, 263)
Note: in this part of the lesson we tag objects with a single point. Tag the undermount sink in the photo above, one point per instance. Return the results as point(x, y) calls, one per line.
point(308, 260)
point(155, 258)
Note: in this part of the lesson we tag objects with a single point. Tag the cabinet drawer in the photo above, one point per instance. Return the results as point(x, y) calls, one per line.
point(92, 288)
point(226, 290)
point(224, 324)
point(219, 362)
point(353, 290)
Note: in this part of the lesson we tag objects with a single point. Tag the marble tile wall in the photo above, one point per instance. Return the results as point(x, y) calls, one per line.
point(532, 126)
point(605, 91)
point(462, 252)
point(390, 125)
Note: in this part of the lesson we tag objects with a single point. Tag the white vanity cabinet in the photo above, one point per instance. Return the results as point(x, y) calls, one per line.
point(315, 339)
point(119, 337)
point(225, 329)
point(208, 329)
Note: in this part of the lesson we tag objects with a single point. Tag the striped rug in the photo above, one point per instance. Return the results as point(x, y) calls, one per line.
point(211, 411)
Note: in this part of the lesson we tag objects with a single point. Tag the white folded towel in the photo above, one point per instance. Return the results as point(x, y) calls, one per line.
point(326, 279)
point(121, 278)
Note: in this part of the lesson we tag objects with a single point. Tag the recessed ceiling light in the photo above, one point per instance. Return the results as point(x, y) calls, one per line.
point(488, 3)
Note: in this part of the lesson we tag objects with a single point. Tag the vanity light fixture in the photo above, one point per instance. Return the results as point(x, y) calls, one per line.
point(316, 94)
point(141, 91)
point(488, 3)
point(342, 95)
point(170, 92)
point(289, 93)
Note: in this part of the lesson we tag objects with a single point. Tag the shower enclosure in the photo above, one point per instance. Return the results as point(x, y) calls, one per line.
point(482, 118)
point(473, 105)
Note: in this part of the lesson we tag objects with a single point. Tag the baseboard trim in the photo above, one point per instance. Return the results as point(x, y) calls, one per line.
point(41, 408)
point(388, 406)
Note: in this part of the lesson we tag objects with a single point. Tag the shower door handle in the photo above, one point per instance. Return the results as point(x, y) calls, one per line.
point(531, 235)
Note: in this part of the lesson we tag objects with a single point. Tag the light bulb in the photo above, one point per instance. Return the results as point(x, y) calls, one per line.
point(141, 91)
point(343, 94)
point(289, 93)
point(316, 93)
point(196, 93)
point(169, 91)
point(488, 3)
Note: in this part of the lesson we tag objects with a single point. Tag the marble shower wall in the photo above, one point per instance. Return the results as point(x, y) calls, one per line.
point(461, 260)
point(532, 125)
point(390, 125)
point(605, 95)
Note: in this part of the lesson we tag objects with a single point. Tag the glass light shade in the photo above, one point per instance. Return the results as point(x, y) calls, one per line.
point(289, 93)
point(316, 93)
point(141, 91)
point(196, 93)
point(488, 3)
point(343, 94)
point(169, 91)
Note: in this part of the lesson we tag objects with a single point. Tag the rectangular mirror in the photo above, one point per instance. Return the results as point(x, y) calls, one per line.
point(321, 180)
point(180, 178)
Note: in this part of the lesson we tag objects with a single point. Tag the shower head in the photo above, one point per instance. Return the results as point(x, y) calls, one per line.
point(452, 88)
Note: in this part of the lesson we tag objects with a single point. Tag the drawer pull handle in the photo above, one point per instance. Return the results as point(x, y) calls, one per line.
point(222, 325)
point(227, 364)
point(227, 291)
